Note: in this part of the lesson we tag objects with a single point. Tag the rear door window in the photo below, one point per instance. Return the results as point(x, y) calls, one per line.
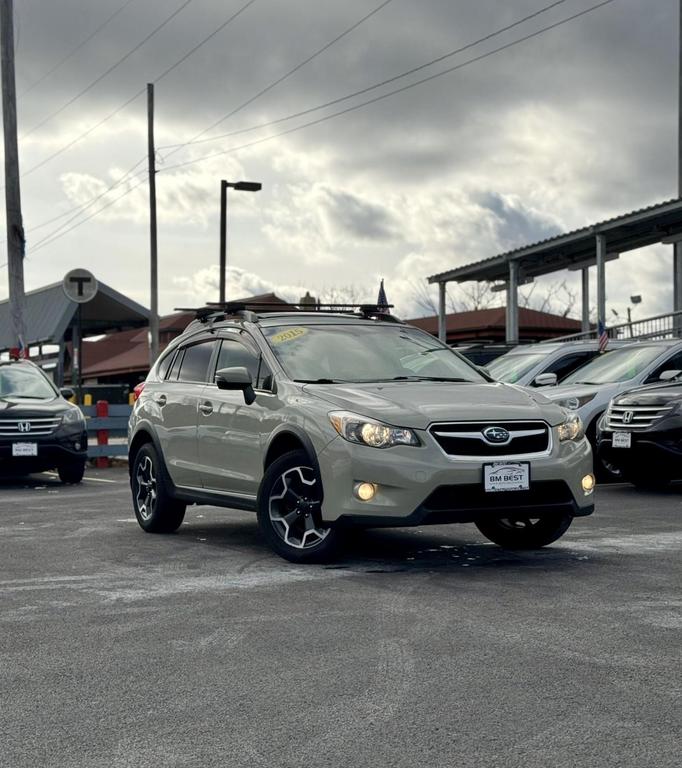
point(195, 362)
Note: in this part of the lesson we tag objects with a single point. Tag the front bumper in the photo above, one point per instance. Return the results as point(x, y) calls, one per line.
point(53, 450)
point(656, 453)
point(422, 485)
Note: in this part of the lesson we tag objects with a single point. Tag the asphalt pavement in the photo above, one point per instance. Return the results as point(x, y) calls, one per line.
point(419, 647)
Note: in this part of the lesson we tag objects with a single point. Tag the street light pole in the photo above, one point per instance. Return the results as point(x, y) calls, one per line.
point(242, 186)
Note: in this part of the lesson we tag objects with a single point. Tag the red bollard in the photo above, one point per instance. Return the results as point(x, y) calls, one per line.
point(102, 462)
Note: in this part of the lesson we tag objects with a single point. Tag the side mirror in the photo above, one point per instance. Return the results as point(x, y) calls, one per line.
point(67, 393)
point(545, 380)
point(236, 378)
point(669, 375)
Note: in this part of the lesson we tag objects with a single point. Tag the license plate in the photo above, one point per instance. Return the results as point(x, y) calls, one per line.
point(24, 449)
point(506, 476)
point(622, 440)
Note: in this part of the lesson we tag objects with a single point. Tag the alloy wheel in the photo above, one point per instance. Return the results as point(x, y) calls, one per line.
point(295, 507)
point(146, 495)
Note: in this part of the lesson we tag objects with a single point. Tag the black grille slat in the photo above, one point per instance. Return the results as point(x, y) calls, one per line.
point(474, 497)
point(450, 438)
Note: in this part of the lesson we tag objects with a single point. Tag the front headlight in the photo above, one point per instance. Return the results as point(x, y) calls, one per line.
point(73, 416)
point(573, 403)
point(571, 429)
point(359, 429)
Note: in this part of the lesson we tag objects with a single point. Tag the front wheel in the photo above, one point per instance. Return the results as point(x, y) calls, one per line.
point(71, 473)
point(290, 511)
point(155, 509)
point(525, 532)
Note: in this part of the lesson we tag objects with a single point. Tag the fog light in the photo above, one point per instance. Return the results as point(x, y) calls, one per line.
point(365, 491)
point(588, 484)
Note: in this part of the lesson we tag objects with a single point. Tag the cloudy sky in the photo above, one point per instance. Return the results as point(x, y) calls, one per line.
point(572, 126)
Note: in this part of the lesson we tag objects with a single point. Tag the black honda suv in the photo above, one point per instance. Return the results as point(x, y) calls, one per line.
point(641, 434)
point(39, 428)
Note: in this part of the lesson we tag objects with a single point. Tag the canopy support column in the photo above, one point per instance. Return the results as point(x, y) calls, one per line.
point(442, 332)
point(601, 281)
point(585, 299)
point(513, 303)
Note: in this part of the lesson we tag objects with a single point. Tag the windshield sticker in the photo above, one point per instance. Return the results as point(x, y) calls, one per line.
point(288, 335)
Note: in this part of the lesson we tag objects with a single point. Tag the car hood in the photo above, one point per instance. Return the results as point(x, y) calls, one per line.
point(575, 390)
point(653, 394)
point(19, 408)
point(418, 404)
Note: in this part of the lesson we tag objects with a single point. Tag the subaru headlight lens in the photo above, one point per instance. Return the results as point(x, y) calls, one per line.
point(73, 416)
point(571, 429)
point(573, 403)
point(359, 429)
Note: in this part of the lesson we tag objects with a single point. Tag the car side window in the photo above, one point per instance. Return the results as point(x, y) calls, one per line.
point(175, 368)
point(569, 363)
point(233, 354)
point(673, 363)
point(164, 365)
point(195, 361)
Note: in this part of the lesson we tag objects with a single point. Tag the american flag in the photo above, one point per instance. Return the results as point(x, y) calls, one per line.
point(382, 301)
point(603, 336)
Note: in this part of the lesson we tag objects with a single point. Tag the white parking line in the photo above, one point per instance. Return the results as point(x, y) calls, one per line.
point(86, 479)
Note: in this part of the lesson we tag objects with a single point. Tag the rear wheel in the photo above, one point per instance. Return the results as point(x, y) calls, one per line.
point(155, 509)
point(523, 532)
point(290, 511)
point(72, 472)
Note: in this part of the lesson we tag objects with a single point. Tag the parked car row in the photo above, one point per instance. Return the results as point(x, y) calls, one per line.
point(627, 398)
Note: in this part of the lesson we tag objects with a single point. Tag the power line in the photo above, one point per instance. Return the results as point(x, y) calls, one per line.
point(340, 99)
point(49, 239)
point(389, 93)
point(108, 71)
point(135, 96)
point(282, 78)
point(75, 50)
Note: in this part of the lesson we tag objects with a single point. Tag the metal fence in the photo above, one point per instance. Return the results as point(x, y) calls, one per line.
point(106, 421)
point(668, 326)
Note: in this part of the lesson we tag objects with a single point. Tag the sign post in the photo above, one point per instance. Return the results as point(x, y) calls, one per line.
point(79, 286)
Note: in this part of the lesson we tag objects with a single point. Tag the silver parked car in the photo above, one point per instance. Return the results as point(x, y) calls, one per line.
point(544, 364)
point(322, 421)
point(588, 390)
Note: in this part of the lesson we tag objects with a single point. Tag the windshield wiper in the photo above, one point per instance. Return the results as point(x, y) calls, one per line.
point(320, 381)
point(426, 378)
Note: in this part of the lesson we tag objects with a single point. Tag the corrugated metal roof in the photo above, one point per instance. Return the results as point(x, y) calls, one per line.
point(657, 216)
point(48, 314)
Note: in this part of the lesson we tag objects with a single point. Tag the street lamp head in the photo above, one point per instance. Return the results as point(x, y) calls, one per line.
point(245, 186)
point(636, 299)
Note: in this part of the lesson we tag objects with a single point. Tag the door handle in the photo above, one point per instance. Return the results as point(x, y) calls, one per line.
point(160, 400)
point(206, 408)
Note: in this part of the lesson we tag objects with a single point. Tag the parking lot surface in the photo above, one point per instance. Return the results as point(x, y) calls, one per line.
point(419, 647)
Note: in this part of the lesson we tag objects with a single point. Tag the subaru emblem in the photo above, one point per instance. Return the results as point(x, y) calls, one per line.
point(497, 435)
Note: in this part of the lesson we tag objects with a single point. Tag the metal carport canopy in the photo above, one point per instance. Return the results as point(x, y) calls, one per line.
point(580, 249)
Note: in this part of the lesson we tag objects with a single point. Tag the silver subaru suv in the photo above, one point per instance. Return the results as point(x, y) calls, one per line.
point(323, 421)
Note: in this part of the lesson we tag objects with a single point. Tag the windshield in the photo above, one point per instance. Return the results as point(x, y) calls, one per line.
point(364, 353)
point(22, 381)
point(511, 368)
point(620, 365)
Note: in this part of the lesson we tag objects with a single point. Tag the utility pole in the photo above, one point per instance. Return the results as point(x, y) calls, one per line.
point(154, 269)
point(677, 259)
point(15, 227)
point(223, 241)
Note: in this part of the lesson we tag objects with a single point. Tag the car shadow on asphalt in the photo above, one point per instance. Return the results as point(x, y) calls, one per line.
point(392, 550)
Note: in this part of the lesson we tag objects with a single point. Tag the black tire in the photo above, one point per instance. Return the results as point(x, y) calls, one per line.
point(71, 473)
point(523, 532)
point(289, 507)
point(155, 509)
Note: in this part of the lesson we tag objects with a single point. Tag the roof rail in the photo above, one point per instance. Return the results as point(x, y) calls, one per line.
point(247, 310)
